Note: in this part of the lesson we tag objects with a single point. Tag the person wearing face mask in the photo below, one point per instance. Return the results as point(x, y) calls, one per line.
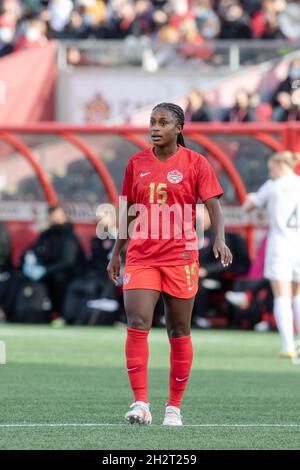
point(265, 20)
point(207, 20)
point(289, 20)
point(235, 22)
point(292, 110)
point(9, 15)
point(59, 257)
point(280, 94)
point(7, 35)
point(34, 36)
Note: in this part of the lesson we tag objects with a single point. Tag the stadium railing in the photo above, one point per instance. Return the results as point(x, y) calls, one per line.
point(133, 51)
point(83, 166)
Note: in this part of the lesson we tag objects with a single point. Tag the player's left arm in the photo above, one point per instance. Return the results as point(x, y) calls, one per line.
point(217, 222)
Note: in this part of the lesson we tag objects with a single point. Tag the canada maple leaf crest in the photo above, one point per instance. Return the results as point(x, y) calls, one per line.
point(175, 176)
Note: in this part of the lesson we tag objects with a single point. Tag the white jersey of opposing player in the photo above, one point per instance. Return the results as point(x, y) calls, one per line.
point(281, 198)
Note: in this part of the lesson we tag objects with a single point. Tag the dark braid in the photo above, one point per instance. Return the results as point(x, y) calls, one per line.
point(177, 111)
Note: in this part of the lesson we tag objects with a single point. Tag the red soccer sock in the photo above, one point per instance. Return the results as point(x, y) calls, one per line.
point(137, 355)
point(181, 362)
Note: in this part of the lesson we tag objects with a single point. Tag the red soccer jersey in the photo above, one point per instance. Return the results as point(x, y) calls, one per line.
point(180, 180)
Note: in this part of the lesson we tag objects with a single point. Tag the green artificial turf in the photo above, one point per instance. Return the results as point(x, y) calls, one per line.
point(68, 389)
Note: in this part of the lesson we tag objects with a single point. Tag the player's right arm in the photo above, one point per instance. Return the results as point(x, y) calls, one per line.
point(113, 267)
point(258, 199)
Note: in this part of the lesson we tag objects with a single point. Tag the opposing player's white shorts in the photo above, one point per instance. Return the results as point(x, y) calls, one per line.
point(282, 266)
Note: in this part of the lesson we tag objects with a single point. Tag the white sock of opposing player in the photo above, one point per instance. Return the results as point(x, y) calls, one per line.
point(296, 306)
point(284, 319)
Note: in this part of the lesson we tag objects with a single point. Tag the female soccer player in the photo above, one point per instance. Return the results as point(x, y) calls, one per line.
point(280, 195)
point(159, 177)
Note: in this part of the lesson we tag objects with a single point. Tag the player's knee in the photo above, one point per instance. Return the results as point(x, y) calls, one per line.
point(138, 324)
point(178, 331)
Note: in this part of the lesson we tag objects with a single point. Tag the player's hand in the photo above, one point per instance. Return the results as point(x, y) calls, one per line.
point(249, 204)
point(202, 272)
point(113, 268)
point(220, 249)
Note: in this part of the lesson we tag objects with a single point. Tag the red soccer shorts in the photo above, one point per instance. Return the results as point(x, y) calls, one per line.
point(178, 281)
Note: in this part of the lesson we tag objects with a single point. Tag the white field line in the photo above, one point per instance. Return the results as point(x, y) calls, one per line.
point(96, 425)
point(118, 334)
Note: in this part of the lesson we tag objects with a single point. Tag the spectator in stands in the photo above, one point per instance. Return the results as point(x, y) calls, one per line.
point(6, 39)
point(142, 24)
point(117, 19)
point(252, 6)
point(265, 22)
point(120, 20)
point(289, 109)
point(76, 27)
point(60, 257)
point(189, 32)
point(197, 109)
point(235, 22)
point(289, 20)
point(242, 110)
point(208, 22)
point(281, 96)
point(34, 36)
point(94, 11)
point(168, 34)
point(59, 14)
point(10, 14)
point(281, 112)
point(159, 18)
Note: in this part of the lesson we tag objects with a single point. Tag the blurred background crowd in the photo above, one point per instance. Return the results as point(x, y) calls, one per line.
point(29, 23)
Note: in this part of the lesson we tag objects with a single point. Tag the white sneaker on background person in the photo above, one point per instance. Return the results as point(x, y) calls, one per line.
point(239, 299)
point(262, 326)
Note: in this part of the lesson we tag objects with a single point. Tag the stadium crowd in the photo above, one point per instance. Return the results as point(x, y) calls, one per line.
point(281, 105)
point(30, 23)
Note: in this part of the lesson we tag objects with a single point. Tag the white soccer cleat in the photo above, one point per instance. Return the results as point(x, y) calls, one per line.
point(286, 355)
point(262, 326)
point(172, 416)
point(139, 414)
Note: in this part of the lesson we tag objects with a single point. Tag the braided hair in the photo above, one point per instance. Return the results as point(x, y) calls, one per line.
point(178, 113)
